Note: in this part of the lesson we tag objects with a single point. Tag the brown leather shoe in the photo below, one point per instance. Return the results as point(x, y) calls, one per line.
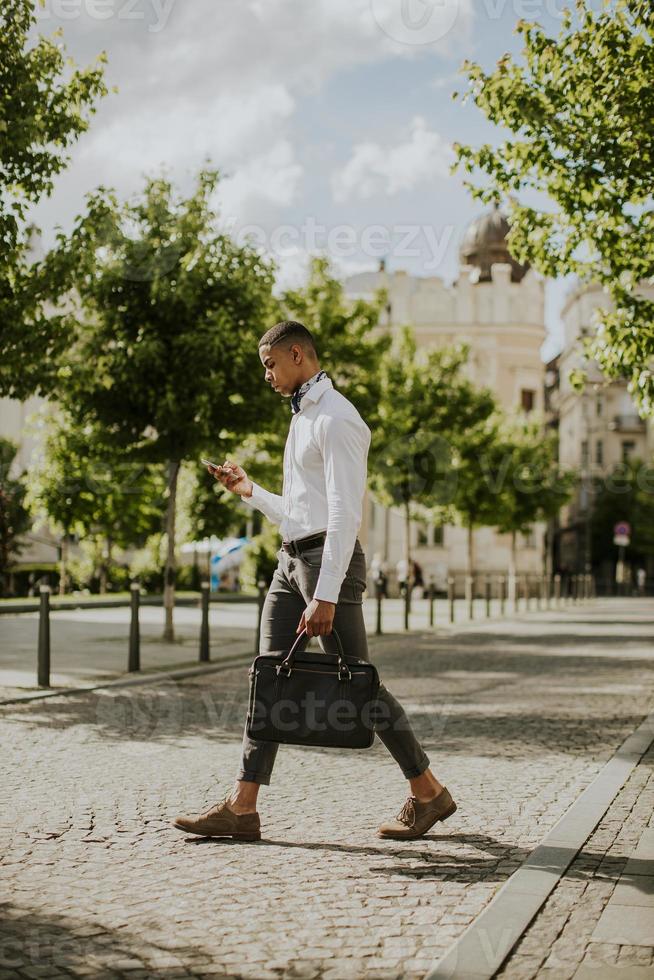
point(415, 818)
point(220, 821)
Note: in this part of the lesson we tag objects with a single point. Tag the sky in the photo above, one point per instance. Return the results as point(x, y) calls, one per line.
point(331, 121)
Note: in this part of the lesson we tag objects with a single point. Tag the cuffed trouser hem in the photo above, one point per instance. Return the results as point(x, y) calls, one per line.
point(416, 770)
point(253, 777)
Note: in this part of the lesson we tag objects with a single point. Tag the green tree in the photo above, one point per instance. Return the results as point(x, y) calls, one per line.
point(529, 483)
point(14, 515)
point(426, 410)
point(165, 352)
point(579, 110)
point(476, 461)
point(45, 102)
point(85, 488)
point(625, 494)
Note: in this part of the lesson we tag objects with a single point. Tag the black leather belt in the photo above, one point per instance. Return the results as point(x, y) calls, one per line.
point(303, 544)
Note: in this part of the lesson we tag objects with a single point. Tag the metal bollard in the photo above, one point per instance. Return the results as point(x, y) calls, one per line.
point(502, 591)
point(134, 654)
point(43, 655)
point(204, 623)
point(432, 589)
point(261, 597)
point(487, 595)
point(470, 595)
point(450, 597)
point(379, 584)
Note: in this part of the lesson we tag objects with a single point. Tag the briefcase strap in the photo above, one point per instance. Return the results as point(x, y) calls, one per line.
point(286, 665)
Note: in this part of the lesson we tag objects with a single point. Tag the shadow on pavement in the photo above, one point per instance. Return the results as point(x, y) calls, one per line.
point(62, 946)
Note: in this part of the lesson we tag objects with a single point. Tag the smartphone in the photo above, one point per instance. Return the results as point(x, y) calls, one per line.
point(208, 462)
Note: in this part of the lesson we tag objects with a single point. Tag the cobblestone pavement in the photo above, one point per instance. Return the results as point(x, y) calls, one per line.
point(517, 717)
point(558, 942)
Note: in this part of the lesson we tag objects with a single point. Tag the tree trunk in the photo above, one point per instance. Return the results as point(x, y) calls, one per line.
point(511, 590)
point(105, 567)
point(407, 557)
point(63, 561)
point(170, 569)
point(471, 550)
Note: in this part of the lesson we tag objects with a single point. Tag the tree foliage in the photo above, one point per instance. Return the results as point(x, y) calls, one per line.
point(625, 494)
point(426, 411)
point(165, 350)
point(45, 104)
point(84, 487)
point(579, 110)
point(14, 515)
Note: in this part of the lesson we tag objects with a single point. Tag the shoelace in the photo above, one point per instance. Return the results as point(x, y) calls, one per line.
point(407, 814)
point(214, 805)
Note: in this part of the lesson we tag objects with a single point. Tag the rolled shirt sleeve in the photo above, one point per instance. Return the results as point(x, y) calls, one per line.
point(344, 444)
point(270, 504)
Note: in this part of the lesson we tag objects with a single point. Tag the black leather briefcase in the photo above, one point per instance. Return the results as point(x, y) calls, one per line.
point(305, 698)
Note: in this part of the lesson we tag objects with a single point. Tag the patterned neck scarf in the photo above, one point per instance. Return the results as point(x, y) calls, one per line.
point(296, 397)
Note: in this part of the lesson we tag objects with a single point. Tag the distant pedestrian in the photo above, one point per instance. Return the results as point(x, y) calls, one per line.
point(641, 579)
point(379, 572)
point(402, 573)
point(418, 578)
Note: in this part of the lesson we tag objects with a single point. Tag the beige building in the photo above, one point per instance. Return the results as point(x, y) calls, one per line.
point(497, 307)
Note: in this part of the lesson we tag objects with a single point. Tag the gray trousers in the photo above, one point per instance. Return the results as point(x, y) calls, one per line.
point(290, 592)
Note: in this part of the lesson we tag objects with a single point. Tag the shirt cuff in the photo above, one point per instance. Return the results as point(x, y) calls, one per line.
point(328, 586)
point(252, 499)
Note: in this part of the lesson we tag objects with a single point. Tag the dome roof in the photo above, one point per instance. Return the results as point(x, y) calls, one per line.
point(485, 243)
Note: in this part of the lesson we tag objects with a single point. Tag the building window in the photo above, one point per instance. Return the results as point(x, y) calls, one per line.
point(438, 534)
point(584, 453)
point(423, 535)
point(599, 452)
point(527, 399)
point(529, 538)
point(599, 406)
point(628, 449)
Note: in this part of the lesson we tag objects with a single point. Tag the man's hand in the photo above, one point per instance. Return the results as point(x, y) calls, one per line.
point(233, 477)
point(318, 618)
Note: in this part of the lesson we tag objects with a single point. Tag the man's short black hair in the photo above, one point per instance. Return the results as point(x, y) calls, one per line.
point(292, 331)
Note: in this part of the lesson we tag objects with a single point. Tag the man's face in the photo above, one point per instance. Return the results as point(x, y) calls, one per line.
point(283, 364)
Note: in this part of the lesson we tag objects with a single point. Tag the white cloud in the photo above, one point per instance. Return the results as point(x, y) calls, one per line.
point(375, 169)
point(271, 178)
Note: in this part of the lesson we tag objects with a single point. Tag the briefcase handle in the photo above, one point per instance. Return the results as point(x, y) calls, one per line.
point(342, 668)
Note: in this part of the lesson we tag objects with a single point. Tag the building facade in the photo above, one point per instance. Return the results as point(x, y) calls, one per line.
point(599, 429)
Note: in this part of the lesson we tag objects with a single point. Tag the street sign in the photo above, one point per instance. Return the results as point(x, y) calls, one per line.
point(622, 540)
point(622, 528)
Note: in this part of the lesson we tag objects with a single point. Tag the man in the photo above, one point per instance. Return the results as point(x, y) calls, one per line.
point(320, 577)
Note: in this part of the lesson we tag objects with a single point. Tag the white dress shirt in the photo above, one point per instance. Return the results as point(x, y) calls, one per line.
point(325, 465)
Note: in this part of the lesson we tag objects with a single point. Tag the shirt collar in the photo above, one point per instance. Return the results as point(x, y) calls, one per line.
point(317, 390)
